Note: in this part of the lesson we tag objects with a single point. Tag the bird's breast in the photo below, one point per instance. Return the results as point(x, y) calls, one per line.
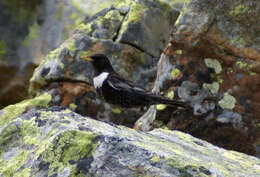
point(99, 79)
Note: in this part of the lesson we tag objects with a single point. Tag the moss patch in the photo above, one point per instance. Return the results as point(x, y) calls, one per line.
point(136, 12)
point(239, 9)
point(69, 146)
point(160, 107)
point(155, 159)
point(8, 168)
point(171, 95)
point(3, 49)
point(59, 11)
point(175, 73)
point(116, 110)
point(34, 32)
point(12, 111)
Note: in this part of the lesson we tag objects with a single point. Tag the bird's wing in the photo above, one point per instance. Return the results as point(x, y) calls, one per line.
point(119, 83)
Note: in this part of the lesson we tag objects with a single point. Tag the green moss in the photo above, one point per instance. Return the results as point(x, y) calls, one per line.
point(251, 73)
point(12, 111)
point(239, 9)
point(3, 49)
point(123, 3)
point(160, 107)
point(72, 106)
point(155, 159)
point(7, 134)
point(242, 64)
point(59, 11)
point(228, 101)
point(214, 64)
point(116, 110)
point(136, 12)
point(9, 168)
point(246, 66)
point(213, 87)
point(175, 73)
point(84, 27)
point(69, 146)
point(23, 173)
point(70, 44)
point(179, 52)
point(29, 131)
point(237, 41)
point(84, 53)
point(34, 32)
point(219, 79)
point(171, 95)
point(36, 80)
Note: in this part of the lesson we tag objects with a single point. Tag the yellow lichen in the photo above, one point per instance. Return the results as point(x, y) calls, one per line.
point(155, 159)
point(175, 73)
point(171, 95)
point(116, 110)
point(239, 9)
point(160, 107)
point(12, 111)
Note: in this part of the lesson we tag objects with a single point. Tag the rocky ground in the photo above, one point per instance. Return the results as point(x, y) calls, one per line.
point(59, 142)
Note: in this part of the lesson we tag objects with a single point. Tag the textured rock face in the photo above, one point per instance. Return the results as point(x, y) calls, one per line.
point(31, 30)
point(122, 32)
point(58, 142)
point(212, 63)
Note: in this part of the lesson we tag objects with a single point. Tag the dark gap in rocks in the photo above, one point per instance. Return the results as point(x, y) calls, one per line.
point(139, 48)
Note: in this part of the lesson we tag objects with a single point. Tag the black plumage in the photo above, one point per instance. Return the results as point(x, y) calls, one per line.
point(119, 91)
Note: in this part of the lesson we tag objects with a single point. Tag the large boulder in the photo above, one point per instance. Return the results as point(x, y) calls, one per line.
point(31, 29)
point(58, 142)
point(212, 62)
point(131, 39)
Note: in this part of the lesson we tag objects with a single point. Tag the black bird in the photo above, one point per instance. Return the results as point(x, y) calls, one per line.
point(119, 91)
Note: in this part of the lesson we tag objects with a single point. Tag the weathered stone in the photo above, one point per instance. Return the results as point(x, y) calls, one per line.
point(69, 79)
point(59, 142)
point(216, 76)
point(223, 25)
point(31, 30)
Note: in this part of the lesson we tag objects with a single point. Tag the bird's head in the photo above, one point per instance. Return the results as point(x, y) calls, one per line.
point(100, 62)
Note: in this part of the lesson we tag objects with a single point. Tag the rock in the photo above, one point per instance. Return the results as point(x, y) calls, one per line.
point(216, 76)
point(58, 142)
point(68, 79)
point(229, 26)
point(14, 21)
point(31, 30)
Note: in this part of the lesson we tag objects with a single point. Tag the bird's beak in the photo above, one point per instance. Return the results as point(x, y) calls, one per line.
point(87, 58)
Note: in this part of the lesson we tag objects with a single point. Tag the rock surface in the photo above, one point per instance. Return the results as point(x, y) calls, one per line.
point(58, 142)
point(31, 30)
point(211, 62)
point(124, 32)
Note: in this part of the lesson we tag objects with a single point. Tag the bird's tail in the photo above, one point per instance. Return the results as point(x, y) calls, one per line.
point(156, 99)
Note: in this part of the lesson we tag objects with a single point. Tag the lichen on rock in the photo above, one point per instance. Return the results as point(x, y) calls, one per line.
point(67, 144)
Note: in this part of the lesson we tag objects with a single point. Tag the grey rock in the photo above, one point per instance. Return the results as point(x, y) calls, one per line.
point(101, 149)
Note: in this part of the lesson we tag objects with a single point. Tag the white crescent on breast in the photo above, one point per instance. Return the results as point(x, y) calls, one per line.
point(98, 80)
